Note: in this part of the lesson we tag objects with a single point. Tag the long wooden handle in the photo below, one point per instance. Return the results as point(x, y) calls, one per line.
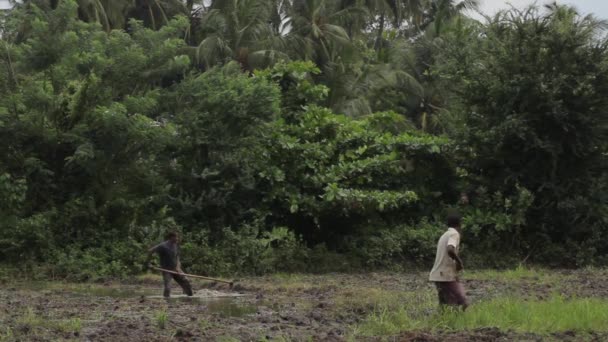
point(191, 275)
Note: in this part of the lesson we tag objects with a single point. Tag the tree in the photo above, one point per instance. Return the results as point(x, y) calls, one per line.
point(528, 89)
point(321, 172)
point(359, 88)
point(80, 136)
point(442, 11)
point(247, 31)
point(316, 34)
point(220, 115)
point(115, 14)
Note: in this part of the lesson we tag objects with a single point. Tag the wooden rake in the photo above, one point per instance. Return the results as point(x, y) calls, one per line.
point(231, 283)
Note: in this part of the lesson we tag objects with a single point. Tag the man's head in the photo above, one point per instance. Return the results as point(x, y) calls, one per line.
point(173, 237)
point(454, 219)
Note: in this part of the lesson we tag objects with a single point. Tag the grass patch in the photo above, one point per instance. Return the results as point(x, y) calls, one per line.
point(293, 282)
point(161, 318)
point(519, 273)
point(146, 278)
point(227, 338)
point(205, 325)
point(554, 315)
point(6, 334)
point(34, 321)
point(287, 277)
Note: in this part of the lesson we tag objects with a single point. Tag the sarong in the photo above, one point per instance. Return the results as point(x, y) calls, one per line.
point(451, 293)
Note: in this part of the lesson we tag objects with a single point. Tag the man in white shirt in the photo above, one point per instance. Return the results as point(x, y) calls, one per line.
point(447, 265)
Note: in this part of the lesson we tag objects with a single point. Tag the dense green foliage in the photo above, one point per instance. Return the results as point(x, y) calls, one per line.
point(530, 97)
point(298, 136)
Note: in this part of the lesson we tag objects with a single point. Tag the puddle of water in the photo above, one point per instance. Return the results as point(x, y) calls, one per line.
point(223, 304)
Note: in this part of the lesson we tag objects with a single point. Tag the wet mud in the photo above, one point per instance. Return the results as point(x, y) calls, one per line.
point(282, 308)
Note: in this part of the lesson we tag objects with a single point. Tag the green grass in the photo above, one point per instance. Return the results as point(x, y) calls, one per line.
point(519, 273)
point(554, 315)
point(161, 318)
point(148, 278)
point(32, 320)
point(6, 334)
point(205, 325)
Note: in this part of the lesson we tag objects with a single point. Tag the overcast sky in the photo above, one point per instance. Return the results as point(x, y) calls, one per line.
point(4, 4)
point(599, 8)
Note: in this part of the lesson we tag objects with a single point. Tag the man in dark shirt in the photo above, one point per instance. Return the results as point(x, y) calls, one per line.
point(168, 253)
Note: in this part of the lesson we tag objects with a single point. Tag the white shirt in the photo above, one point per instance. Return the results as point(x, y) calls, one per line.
point(445, 267)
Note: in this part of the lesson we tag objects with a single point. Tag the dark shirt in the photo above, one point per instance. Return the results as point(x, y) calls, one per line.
point(168, 254)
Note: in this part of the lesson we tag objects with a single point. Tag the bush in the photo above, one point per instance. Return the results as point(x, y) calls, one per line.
point(528, 89)
point(247, 250)
point(325, 173)
point(87, 265)
point(402, 245)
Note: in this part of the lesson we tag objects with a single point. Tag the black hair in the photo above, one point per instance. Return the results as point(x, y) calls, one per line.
point(454, 219)
point(170, 235)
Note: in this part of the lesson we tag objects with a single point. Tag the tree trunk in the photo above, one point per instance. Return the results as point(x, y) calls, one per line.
point(378, 44)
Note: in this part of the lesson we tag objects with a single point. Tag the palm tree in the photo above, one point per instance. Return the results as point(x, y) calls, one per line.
point(114, 14)
point(154, 13)
point(381, 12)
point(414, 11)
point(248, 31)
point(426, 107)
point(110, 16)
point(316, 33)
point(442, 11)
point(358, 88)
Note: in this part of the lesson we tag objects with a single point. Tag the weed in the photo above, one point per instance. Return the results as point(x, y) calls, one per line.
point(7, 335)
point(205, 325)
point(161, 318)
point(69, 325)
point(32, 320)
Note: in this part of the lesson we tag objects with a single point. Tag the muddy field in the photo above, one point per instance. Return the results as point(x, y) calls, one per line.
point(278, 308)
